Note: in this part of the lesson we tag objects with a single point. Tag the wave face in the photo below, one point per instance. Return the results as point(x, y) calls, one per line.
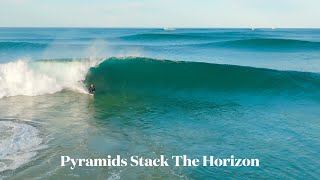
point(146, 73)
point(32, 78)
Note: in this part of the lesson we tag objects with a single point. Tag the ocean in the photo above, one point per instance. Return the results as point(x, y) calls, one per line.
point(250, 93)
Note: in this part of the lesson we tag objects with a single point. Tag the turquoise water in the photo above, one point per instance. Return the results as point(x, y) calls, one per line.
point(195, 92)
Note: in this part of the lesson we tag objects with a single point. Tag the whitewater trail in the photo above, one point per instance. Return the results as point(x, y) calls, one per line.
point(32, 78)
point(18, 145)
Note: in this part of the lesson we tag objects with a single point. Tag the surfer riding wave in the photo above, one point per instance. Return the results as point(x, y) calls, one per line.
point(92, 89)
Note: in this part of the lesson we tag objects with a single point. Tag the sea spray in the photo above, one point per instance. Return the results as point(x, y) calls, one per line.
point(32, 78)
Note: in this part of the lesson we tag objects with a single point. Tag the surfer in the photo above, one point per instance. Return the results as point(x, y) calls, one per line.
point(92, 89)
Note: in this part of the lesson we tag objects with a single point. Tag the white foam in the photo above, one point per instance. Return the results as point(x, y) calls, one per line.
point(18, 144)
point(114, 176)
point(32, 78)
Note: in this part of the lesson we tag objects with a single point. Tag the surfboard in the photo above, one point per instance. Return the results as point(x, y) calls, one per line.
point(89, 94)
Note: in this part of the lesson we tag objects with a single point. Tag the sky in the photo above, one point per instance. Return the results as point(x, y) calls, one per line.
point(160, 13)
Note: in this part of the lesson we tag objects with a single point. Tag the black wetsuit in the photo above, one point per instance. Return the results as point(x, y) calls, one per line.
point(92, 90)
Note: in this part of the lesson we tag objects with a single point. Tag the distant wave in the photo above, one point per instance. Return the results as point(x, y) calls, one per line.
point(223, 41)
point(16, 45)
point(265, 43)
point(194, 41)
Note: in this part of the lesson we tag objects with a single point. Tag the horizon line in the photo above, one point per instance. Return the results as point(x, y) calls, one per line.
point(123, 27)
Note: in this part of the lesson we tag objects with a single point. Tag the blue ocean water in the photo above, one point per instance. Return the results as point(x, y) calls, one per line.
point(196, 92)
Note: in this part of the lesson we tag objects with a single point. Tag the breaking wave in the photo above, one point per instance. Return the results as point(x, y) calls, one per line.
point(32, 78)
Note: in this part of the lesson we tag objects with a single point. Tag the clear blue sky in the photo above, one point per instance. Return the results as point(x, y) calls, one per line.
point(160, 13)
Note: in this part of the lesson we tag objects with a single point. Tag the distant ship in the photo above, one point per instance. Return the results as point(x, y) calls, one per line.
point(169, 29)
